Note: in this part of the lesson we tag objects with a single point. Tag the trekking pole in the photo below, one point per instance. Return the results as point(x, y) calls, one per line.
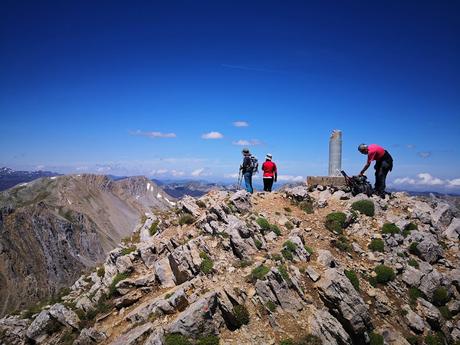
point(239, 179)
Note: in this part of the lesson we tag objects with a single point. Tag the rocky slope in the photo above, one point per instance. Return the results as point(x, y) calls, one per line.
point(54, 228)
point(294, 267)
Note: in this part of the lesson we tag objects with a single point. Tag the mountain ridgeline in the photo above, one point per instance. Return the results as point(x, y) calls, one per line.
point(54, 228)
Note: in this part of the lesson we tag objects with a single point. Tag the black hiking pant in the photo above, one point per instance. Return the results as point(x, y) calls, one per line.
point(268, 184)
point(382, 167)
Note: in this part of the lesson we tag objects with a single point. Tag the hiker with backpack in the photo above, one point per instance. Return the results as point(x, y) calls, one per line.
point(383, 165)
point(270, 173)
point(248, 168)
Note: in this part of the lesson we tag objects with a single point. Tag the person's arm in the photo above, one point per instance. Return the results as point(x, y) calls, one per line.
point(365, 168)
point(276, 172)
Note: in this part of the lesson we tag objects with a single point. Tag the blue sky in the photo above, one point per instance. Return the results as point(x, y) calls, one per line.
point(133, 87)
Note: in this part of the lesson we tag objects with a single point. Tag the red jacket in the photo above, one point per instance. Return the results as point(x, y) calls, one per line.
point(269, 169)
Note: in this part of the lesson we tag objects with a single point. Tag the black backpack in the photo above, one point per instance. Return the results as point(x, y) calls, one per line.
point(254, 165)
point(358, 184)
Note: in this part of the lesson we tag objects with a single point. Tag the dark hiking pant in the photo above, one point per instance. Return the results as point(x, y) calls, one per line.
point(382, 167)
point(268, 184)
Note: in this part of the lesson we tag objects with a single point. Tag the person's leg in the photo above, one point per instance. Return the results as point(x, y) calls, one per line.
point(377, 185)
point(265, 184)
point(384, 171)
point(270, 184)
point(248, 182)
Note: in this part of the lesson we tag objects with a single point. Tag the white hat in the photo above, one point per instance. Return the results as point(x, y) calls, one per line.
point(268, 156)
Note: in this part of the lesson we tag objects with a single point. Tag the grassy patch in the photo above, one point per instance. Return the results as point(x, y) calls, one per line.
point(440, 296)
point(241, 315)
point(154, 228)
point(335, 222)
point(263, 223)
point(414, 293)
point(343, 244)
point(128, 250)
point(101, 271)
point(113, 286)
point(435, 339)
point(412, 262)
point(288, 209)
point(413, 248)
point(306, 206)
point(289, 225)
point(365, 207)
point(176, 339)
point(258, 244)
point(376, 339)
point(390, 229)
point(206, 263)
point(275, 229)
point(276, 257)
point(259, 272)
point(243, 263)
point(186, 219)
point(377, 245)
point(445, 312)
point(309, 249)
point(285, 274)
point(289, 247)
point(208, 340)
point(353, 278)
point(271, 306)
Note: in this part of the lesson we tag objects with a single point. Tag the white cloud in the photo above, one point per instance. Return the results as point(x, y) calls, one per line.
point(454, 183)
point(212, 135)
point(424, 154)
point(81, 168)
point(240, 124)
point(243, 142)
point(291, 178)
point(423, 179)
point(39, 167)
point(159, 172)
point(177, 173)
point(201, 172)
point(404, 180)
point(234, 175)
point(153, 134)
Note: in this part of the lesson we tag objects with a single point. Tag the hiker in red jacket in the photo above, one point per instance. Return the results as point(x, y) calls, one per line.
point(383, 165)
point(270, 173)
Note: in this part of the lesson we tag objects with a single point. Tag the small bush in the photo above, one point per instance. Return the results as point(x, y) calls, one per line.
point(287, 342)
point(118, 278)
point(241, 315)
point(208, 340)
point(243, 263)
point(275, 229)
point(309, 339)
point(271, 306)
point(342, 244)
point(176, 339)
point(414, 293)
point(186, 219)
point(287, 254)
point(385, 274)
point(436, 339)
point(276, 257)
point(257, 243)
point(201, 204)
point(377, 245)
point(376, 339)
point(413, 263)
point(445, 312)
point(284, 273)
point(364, 206)
point(335, 222)
point(101, 272)
point(413, 248)
point(263, 223)
point(259, 272)
point(289, 247)
point(289, 225)
point(390, 229)
point(206, 263)
point(288, 209)
point(309, 249)
point(128, 250)
point(351, 275)
point(306, 206)
point(411, 226)
point(440, 296)
point(413, 340)
point(154, 228)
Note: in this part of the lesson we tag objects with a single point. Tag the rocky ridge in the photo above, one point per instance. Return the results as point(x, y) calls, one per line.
point(299, 266)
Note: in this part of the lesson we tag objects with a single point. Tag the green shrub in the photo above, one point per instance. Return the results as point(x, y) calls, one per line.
point(364, 206)
point(289, 225)
point(287, 342)
point(154, 228)
point(376, 339)
point(306, 206)
point(201, 204)
point(309, 339)
point(440, 296)
point(413, 248)
point(384, 273)
point(101, 272)
point(241, 315)
point(435, 339)
point(284, 273)
point(176, 339)
point(343, 244)
point(128, 250)
point(445, 312)
point(335, 221)
point(263, 223)
point(206, 263)
point(208, 340)
point(411, 226)
point(243, 263)
point(258, 244)
point(288, 209)
point(413, 263)
point(377, 245)
point(309, 249)
point(390, 229)
point(276, 257)
point(413, 340)
point(414, 293)
point(259, 272)
point(275, 229)
point(118, 278)
point(186, 219)
point(351, 275)
point(271, 306)
point(289, 247)
point(287, 254)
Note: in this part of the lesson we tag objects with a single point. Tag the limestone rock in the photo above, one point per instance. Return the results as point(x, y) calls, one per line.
point(453, 230)
point(133, 335)
point(242, 201)
point(64, 315)
point(188, 204)
point(89, 336)
point(328, 329)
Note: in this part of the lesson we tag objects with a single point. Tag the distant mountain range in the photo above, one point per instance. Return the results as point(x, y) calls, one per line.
point(10, 178)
